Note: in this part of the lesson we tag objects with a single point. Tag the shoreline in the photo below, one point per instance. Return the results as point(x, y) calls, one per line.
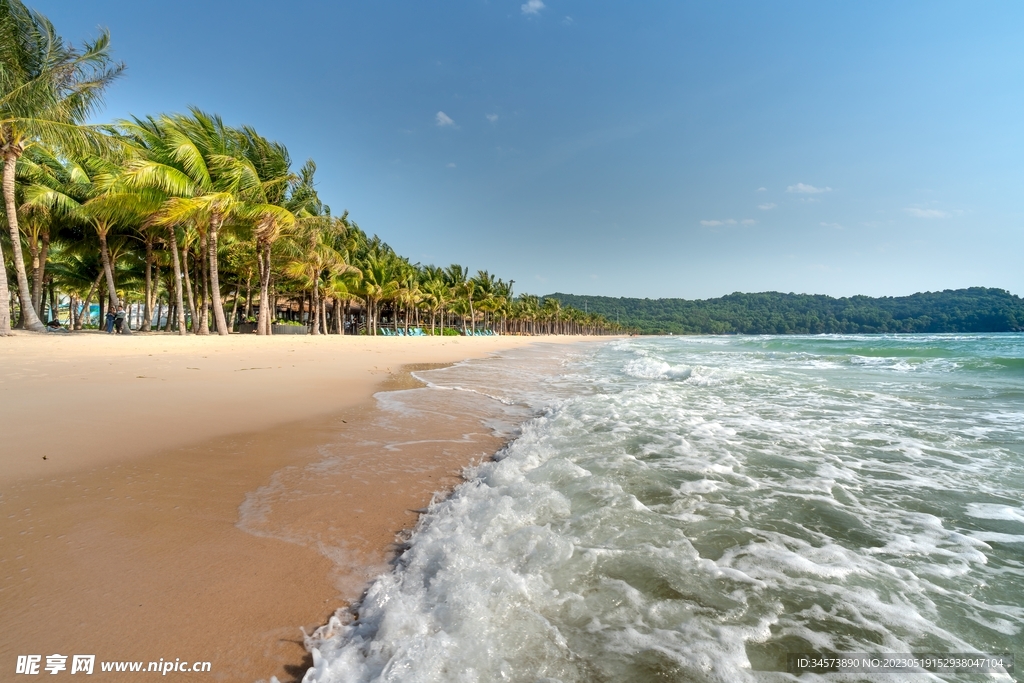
point(139, 554)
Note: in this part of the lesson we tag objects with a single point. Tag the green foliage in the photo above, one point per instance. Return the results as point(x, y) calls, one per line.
point(977, 309)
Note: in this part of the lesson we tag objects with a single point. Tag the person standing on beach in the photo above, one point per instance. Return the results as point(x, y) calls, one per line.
point(111, 316)
point(119, 318)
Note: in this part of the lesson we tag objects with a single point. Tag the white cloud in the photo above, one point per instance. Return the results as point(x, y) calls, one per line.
point(767, 207)
point(492, 117)
point(567, 21)
point(532, 6)
point(926, 213)
point(748, 221)
point(713, 223)
point(762, 189)
point(451, 164)
point(834, 226)
point(443, 119)
point(800, 188)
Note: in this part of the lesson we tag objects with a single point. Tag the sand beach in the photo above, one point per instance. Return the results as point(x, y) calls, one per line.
point(125, 464)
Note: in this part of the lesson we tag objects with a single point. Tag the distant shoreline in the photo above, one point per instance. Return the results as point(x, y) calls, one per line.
point(959, 311)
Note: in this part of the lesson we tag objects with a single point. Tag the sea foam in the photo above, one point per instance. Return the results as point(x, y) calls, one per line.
point(644, 526)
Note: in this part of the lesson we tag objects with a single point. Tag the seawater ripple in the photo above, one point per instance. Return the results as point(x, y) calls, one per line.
point(694, 509)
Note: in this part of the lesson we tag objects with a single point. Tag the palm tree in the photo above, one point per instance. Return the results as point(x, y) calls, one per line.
point(47, 89)
point(343, 288)
point(436, 296)
point(40, 225)
point(457, 277)
point(314, 260)
point(220, 183)
point(409, 294)
point(380, 281)
point(157, 179)
point(76, 269)
point(209, 180)
point(552, 310)
point(283, 196)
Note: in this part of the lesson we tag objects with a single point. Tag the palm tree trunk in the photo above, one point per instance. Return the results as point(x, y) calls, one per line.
point(108, 270)
point(179, 306)
point(40, 254)
point(86, 303)
point(263, 260)
point(5, 298)
point(28, 313)
point(202, 274)
point(234, 306)
point(37, 276)
point(188, 289)
point(314, 312)
point(248, 298)
point(272, 309)
point(147, 316)
point(54, 309)
point(218, 308)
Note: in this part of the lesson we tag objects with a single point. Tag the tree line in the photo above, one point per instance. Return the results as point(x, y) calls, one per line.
point(202, 226)
point(976, 309)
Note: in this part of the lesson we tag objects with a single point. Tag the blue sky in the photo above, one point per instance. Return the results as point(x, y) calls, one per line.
point(636, 149)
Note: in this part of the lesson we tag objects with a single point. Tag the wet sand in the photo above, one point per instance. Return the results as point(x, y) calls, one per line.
point(125, 541)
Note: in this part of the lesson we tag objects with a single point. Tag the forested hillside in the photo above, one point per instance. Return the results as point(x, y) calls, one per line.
point(977, 309)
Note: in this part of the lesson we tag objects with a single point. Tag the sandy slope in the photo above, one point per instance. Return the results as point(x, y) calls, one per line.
point(123, 542)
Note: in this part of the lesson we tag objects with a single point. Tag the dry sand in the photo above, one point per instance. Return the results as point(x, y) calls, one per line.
point(124, 462)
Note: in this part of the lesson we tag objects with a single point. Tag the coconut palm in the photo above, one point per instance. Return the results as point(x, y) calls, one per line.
point(47, 89)
point(409, 294)
point(38, 223)
point(551, 310)
point(436, 296)
point(157, 179)
point(208, 182)
point(457, 277)
point(76, 269)
point(284, 196)
point(314, 260)
point(64, 193)
point(343, 288)
point(380, 282)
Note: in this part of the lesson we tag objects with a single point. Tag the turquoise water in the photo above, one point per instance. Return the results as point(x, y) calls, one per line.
point(695, 508)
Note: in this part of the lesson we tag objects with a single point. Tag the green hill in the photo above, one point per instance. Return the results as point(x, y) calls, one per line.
point(977, 309)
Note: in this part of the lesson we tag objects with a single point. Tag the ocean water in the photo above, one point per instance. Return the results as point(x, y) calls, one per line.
point(696, 508)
